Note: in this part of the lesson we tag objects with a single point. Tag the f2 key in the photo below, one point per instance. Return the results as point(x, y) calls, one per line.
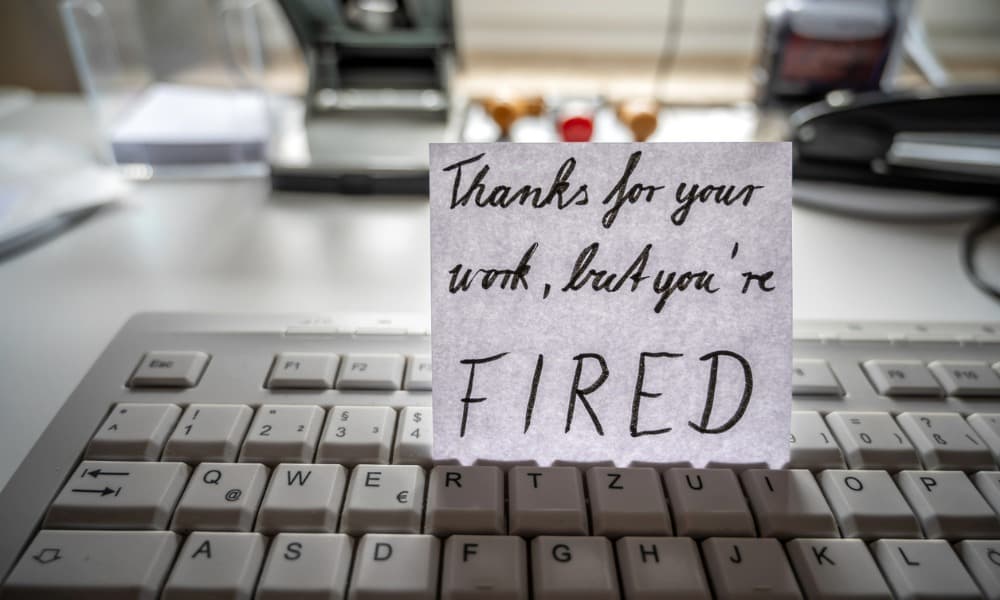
point(371, 372)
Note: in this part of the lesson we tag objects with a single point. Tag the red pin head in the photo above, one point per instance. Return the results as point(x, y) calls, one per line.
point(576, 128)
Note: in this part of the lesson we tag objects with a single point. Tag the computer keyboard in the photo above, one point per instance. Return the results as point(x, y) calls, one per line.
point(270, 457)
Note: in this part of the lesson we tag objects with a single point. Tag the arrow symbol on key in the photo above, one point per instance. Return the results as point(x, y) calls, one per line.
point(105, 492)
point(97, 473)
point(47, 555)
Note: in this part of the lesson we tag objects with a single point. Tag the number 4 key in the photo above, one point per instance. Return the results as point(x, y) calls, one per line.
point(414, 437)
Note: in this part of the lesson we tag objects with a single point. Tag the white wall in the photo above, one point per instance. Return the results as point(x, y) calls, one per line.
point(712, 28)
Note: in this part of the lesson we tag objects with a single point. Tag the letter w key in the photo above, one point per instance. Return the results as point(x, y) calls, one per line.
point(302, 499)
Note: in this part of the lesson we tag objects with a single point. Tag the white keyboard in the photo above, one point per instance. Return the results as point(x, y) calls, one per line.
point(270, 457)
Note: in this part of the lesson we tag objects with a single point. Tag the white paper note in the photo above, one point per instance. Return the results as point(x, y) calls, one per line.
point(612, 302)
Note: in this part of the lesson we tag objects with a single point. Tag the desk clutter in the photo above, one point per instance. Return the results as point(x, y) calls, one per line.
point(534, 118)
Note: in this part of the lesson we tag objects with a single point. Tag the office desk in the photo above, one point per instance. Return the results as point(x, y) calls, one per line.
point(234, 246)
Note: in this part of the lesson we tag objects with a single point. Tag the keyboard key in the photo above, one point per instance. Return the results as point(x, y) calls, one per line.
point(169, 369)
point(872, 440)
point(303, 370)
point(923, 569)
point(627, 502)
point(945, 441)
point(661, 567)
point(357, 434)
point(303, 498)
point(216, 565)
point(283, 433)
point(465, 500)
point(707, 502)
point(546, 500)
point(480, 567)
point(982, 560)
point(414, 437)
point(221, 497)
point(85, 565)
point(901, 378)
point(395, 567)
point(987, 427)
point(118, 495)
point(384, 499)
point(836, 569)
point(387, 330)
point(961, 378)
point(988, 483)
point(418, 373)
point(868, 505)
point(813, 446)
point(306, 566)
point(371, 372)
point(788, 504)
point(986, 333)
point(948, 505)
point(813, 377)
point(571, 568)
point(133, 432)
point(209, 433)
point(743, 568)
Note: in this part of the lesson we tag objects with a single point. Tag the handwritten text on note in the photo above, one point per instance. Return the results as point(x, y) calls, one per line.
point(612, 302)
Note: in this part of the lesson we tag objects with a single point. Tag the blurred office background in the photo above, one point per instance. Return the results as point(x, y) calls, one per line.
point(570, 44)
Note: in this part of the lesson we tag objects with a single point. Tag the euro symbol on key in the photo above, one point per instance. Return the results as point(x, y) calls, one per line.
point(401, 496)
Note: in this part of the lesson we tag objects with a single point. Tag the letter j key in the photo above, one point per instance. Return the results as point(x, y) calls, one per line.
point(741, 568)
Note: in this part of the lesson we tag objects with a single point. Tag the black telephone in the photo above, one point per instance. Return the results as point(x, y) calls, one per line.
point(945, 140)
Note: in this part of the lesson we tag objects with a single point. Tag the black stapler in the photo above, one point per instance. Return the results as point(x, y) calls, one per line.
point(944, 140)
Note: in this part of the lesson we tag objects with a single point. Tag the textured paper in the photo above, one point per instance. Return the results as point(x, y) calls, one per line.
point(504, 412)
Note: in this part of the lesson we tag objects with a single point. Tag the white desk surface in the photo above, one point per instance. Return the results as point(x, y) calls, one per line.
point(233, 246)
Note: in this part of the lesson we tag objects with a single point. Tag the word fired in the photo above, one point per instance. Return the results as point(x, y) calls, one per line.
point(625, 303)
